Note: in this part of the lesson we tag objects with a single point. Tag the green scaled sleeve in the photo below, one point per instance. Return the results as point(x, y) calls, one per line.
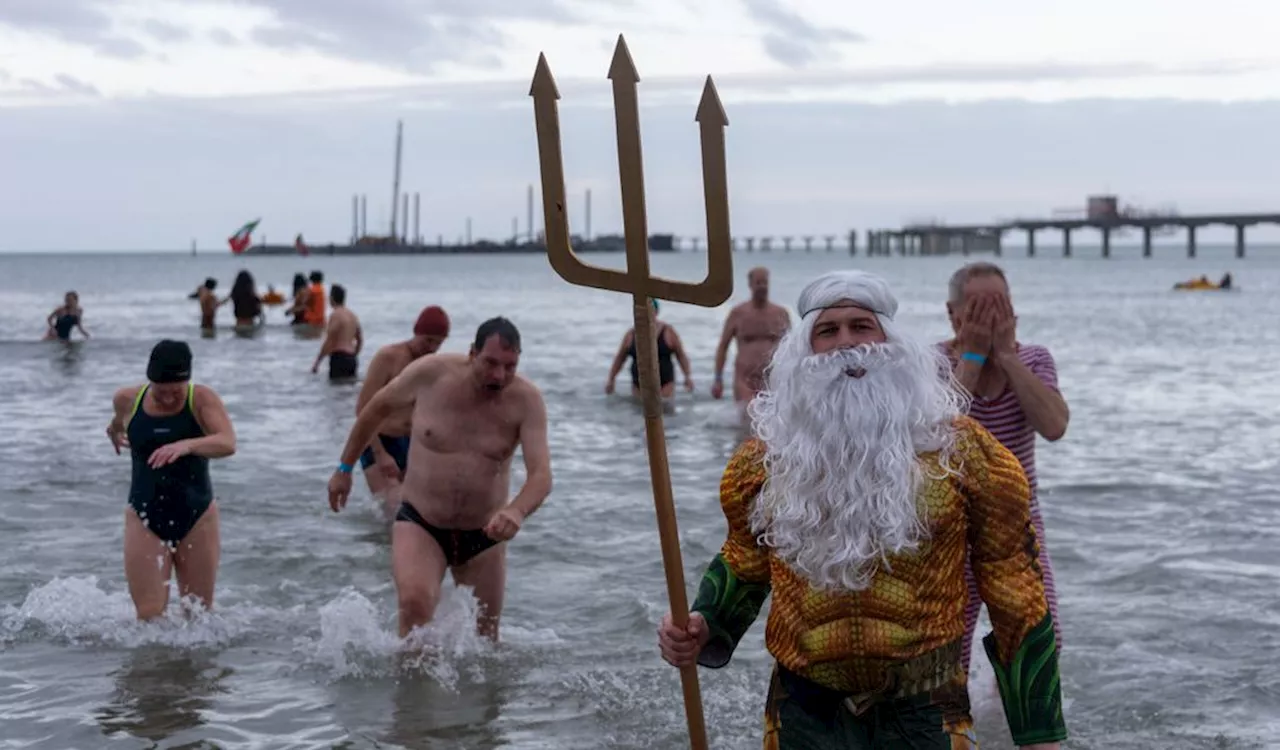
point(729, 606)
point(1031, 686)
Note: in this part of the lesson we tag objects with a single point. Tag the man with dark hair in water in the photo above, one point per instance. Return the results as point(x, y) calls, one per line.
point(343, 339)
point(172, 427)
point(470, 412)
point(385, 459)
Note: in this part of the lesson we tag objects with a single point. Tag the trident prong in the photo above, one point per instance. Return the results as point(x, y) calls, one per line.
point(641, 284)
point(717, 286)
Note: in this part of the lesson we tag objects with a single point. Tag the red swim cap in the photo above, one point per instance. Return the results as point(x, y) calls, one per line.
point(432, 321)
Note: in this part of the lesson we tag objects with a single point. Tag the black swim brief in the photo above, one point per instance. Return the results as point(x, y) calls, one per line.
point(459, 545)
point(398, 447)
point(343, 365)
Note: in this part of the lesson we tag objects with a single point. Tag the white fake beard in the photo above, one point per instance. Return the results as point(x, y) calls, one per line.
point(844, 479)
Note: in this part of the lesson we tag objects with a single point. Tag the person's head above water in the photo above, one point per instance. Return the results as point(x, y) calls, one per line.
point(299, 283)
point(169, 371)
point(430, 330)
point(495, 353)
point(758, 282)
point(71, 299)
point(338, 295)
point(316, 277)
point(210, 283)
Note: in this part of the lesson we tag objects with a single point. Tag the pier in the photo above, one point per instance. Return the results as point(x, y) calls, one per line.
point(1102, 215)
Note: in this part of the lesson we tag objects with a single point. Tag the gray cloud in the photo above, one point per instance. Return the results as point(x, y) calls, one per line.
point(83, 22)
point(223, 37)
point(406, 34)
point(790, 38)
point(680, 90)
point(165, 32)
point(74, 85)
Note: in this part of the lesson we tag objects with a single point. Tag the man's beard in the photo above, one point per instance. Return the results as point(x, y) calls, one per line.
point(842, 432)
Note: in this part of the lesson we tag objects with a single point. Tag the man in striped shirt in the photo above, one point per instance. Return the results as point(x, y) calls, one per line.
point(1015, 394)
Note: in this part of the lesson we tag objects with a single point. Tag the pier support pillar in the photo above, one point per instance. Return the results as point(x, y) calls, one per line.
point(1106, 242)
point(853, 242)
point(786, 244)
point(1146, 242)
point(1031, 243)
point(751, 244)
point(766, 244)
point(1191, 241)
point(999, 250)
point(1066, 243)
point(1240, 240)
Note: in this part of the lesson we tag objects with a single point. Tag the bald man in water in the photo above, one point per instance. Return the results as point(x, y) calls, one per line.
point(756, 326)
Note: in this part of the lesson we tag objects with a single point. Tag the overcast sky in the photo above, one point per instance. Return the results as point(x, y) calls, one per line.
point(144, 124)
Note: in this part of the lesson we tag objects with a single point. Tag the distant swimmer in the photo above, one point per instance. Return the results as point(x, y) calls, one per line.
point(309, 303)
point(470, 412)
point(298, 304)
point(756, 326)
point(387, 455)
point(669, 345)
point(172, 428)
point(272, 297)
point(245, 303)
point(208, 305)
point(65, 319)
point(343, 339)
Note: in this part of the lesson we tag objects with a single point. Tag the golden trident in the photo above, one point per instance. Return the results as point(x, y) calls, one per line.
point(641, 284)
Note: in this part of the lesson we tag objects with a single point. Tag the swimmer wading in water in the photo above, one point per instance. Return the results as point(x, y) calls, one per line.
point(469, 414)
point(172, 427)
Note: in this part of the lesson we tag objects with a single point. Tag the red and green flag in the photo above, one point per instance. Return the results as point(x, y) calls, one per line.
point(241, 240)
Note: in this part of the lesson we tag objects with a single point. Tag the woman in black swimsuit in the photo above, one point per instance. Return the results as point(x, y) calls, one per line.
point(246, 304)
point(172, 428)
point(669, 345)
point(66, 318)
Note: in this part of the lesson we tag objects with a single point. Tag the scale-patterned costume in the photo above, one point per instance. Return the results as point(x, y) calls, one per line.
point(890, 655)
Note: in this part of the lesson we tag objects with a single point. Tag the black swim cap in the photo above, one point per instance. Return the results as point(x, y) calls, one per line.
point(170, 362)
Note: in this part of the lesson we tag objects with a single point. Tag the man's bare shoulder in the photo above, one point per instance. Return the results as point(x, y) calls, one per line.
point(527, 393)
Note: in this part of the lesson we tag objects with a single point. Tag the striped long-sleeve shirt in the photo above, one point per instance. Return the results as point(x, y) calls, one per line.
point(1004, 418)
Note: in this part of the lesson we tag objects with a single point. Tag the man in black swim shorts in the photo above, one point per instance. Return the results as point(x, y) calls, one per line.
point(387, 455)
point(343, 339)
point(470, 413)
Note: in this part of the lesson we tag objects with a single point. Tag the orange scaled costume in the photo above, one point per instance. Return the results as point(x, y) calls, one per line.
point(898, 642)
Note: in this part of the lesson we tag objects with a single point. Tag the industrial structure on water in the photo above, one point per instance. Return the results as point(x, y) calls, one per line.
point(400, 241)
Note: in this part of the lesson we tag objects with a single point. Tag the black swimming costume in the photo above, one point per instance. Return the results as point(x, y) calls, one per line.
point(170, 499)
point(63, 325)
point(343, 365)
point(398, 447)
point(666, 368)
point(459, 545)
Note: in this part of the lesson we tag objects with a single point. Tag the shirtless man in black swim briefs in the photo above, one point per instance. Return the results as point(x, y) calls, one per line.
point(172, 428)
point(343, 339)
point(470, 412)
point(385, 459)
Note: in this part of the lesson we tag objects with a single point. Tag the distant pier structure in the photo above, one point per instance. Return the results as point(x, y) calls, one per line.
point(1102, 214)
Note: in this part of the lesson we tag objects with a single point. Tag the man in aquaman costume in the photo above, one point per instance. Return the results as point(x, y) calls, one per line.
point(855, 505)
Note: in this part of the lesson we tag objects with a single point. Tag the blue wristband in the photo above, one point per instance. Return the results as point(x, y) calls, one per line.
point(345, 468)
point(973, 357)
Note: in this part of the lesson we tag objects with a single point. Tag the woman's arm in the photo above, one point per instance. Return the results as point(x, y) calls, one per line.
point(620, 357)
point(677, 346)
point(219, 439)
